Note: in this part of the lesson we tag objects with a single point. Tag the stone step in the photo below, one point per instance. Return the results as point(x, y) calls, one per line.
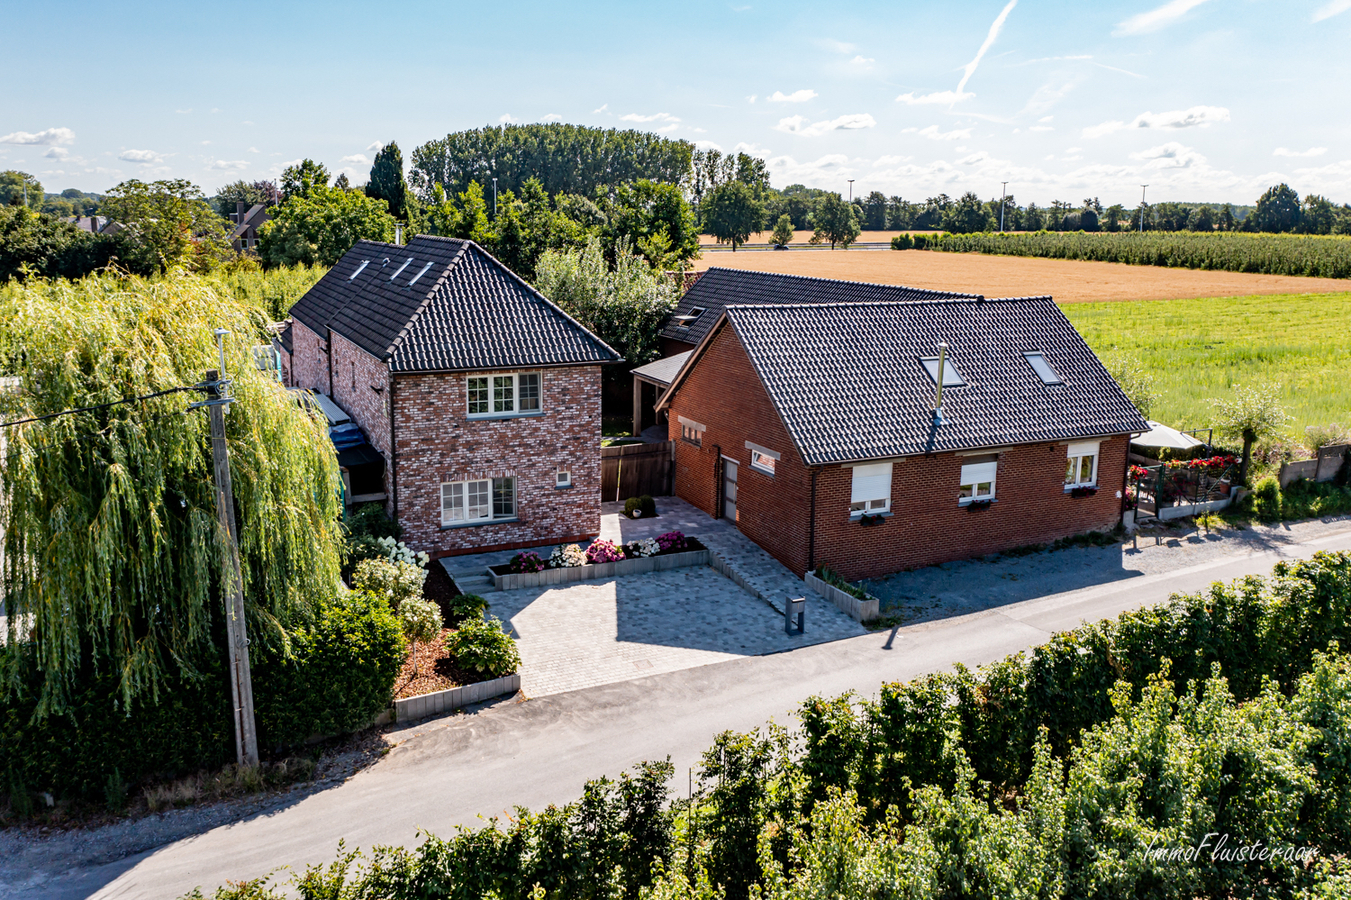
point(471, 583)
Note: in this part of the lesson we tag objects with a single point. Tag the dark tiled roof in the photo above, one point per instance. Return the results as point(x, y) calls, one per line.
point(664, 370)
point(848, 382)
point(718, 288)
point(285, 338)
point(442, 304)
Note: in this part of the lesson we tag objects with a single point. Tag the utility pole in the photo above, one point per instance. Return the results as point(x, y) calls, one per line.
point(494, 198)
point(1003, 195)
point(241, 682)
point(1142, 207)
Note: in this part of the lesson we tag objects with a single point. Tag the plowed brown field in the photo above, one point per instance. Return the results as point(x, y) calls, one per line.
point(1069, 281)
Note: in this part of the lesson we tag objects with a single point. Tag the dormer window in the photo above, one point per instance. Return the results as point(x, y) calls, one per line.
point(951, 377)
point(1043, 369)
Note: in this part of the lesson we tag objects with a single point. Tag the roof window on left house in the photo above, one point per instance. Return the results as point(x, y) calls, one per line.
point(401, 268)
point(421, 272)
point(690, 318)
point(360, 268)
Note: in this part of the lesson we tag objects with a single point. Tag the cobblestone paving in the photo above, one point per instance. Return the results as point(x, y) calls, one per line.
point(598, 632)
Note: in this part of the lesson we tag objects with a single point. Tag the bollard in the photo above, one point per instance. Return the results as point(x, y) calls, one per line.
point(794, 615)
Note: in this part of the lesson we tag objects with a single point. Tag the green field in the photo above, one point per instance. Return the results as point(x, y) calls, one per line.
point(1200, 349)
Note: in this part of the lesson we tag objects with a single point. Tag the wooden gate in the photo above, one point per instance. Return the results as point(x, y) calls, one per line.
point(633, 470)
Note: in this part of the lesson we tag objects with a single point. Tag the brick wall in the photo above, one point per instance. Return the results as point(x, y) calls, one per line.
point(309, 359)
point(725, 394)
point(438, 442)
point(361, 388)
point(927, 525)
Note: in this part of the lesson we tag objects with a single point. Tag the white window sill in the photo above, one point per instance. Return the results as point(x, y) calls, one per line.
point(478, 522)
point(482, 417)
point(563, 487)
point(885, 513)
point(967, 501)
point(1071, 487)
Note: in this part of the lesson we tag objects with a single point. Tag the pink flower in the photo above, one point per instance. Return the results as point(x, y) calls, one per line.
point(603, 551)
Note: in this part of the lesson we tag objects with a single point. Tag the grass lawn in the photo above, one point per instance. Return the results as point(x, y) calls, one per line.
point(1199, 349)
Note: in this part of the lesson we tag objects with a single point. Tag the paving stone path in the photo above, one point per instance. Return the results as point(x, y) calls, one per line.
point(615, 629)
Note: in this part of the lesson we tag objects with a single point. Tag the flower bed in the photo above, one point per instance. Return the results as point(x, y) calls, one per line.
point(601, 559)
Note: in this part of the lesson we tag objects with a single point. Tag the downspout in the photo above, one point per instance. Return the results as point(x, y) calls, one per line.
point(1126, 481)
point(811, 528)
point(717, 481)
point(393, 456)
point(328, 352)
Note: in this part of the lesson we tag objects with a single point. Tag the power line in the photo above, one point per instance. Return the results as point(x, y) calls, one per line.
point(110, 404)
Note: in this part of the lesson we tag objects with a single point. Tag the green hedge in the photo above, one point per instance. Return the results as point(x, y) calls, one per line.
point(340, 677)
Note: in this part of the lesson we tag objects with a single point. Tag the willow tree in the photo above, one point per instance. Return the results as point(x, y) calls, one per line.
point(112, 550)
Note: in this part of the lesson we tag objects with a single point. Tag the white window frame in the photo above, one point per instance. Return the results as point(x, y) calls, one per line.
point(951, 377)
point(691, 432)
point(503, 394)
point(475, 501)
point(1036, 356)
point(563, 479)
point(867, 496)
point(1075, 455)
point(763, 460)
point(976, 475)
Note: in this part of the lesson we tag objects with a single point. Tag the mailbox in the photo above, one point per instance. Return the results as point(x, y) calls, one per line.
point(794, 615)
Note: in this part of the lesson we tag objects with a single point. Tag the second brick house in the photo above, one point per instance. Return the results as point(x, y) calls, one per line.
point(481, 395)
point(819, 428)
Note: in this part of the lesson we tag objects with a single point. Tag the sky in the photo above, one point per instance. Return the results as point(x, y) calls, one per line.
point(1203, 100)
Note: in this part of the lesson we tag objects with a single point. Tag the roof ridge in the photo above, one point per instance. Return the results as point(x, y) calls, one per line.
point(904, 287)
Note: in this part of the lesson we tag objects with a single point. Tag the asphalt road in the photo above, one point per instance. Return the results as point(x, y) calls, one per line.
point(448, 772)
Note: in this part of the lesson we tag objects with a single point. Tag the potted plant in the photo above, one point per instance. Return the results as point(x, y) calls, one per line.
point(866, 519)
point(975, 505)
point(1083, 490)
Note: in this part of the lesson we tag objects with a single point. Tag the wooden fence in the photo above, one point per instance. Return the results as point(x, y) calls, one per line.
point(633, 470)
point(1322, 467)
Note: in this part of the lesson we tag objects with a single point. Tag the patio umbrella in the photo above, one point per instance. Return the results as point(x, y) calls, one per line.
point(1162, 436)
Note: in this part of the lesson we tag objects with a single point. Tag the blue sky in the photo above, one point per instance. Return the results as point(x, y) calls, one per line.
point(1201, 99)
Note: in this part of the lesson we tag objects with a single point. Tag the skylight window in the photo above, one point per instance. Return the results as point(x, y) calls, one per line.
point(422, 272)
point(401, 268)
point(951, 377)
point(360, 269)
point(1042, 368)
point(689, 318)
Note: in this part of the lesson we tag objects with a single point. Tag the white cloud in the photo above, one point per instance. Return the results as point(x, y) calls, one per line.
point(995, 27)
point(356, 158)
point(603, 108)
point(1330, 9)
point(948, 97)
point(206, 143)
point(864, 61)
point(1196, 116)
point(1155, 19)
point(1171, 155)
point(655, 117)
point(142, 157)
point(801, 96)
point(506, 118)
point(56, 153)
point(253, 149)
point(798, 124)
point(665, 129)
point(1312, 151)
point(932, 133)
point(374, 147)
point(42, 138)
point(1041, 128)
point(750, 99)
point(974, 159)
point(751, 149)
point(230, 165)
point(246, 122)
point(183, 112)
point(707, 145)
point(553, 117)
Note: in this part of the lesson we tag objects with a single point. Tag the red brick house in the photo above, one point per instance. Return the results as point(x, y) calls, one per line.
point(481, 396)
point(819, 428)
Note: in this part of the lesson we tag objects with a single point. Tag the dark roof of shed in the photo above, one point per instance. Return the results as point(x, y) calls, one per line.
point(443, 304)
point(718, 288)
point(663, 370)
point(849, 385)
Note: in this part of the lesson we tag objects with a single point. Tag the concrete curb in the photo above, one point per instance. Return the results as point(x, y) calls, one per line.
point(517, 580)
point(444, 701)
point(858, 610)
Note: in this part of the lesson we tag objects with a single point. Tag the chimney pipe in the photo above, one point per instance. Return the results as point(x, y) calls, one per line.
point(398, 235)
point(239, 213)
point(938, 388)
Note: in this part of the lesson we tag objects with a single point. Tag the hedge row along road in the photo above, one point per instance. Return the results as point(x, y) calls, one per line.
point(447, 772)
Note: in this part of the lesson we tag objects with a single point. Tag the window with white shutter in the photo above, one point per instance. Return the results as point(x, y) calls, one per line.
point(977, 482)
point(871, 490)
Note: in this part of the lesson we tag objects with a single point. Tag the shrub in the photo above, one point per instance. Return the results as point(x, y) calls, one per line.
point(902, 242)
point(464, 606)
point(1266, 499)
point(398, 551)
point(672, 542)
point(394, 581)
point(482, 645)
point(640, 549)
point(567, 557)
point(640, 507)
point(421, 622)
point(603, 551)
point(527, 561)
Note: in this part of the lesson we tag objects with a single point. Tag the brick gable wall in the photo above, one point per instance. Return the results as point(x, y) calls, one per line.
point(927, 525)
point(309, 359)
point(361, 388)
point(438, 442)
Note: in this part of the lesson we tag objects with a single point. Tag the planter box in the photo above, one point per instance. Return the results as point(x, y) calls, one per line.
point(514, 580)
point(444, 701)
point(858, 610)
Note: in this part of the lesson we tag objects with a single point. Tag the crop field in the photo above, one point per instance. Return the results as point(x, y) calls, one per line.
point(1198, 349)
point(1068, 280)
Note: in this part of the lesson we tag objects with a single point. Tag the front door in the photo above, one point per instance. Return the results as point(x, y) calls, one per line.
point(729, 490)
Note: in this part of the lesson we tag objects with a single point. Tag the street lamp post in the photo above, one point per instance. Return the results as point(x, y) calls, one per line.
point(851, 190)
point(1003, 194)
point(1142, 207)
point(494, 198)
